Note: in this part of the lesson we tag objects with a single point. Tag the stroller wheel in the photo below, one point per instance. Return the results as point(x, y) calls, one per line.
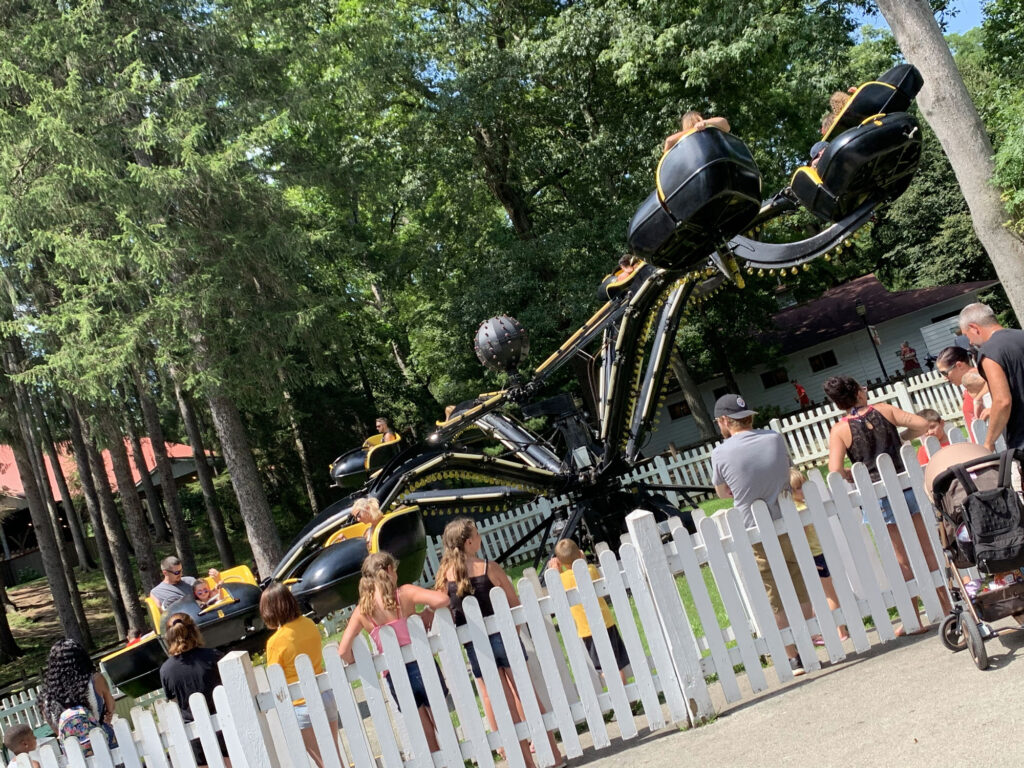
point(950, 634)
point(975, 644)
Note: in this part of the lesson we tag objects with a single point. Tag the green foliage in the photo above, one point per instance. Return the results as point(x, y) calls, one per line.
point(26, 575)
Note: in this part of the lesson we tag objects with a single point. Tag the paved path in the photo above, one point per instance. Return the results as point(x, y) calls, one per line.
point(895, 705)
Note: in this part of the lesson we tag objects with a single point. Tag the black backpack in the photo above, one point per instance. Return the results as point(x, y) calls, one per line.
point(994, 518)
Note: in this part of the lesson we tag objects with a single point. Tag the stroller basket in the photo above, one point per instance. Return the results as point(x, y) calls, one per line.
point(981, 518)
point(999, 603)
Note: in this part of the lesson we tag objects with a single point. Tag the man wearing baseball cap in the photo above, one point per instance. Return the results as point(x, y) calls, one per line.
point(754, 464)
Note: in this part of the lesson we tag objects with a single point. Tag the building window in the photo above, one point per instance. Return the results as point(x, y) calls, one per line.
point(678, 410)
point(719, 391)
point(774, 378)
point(822, 361)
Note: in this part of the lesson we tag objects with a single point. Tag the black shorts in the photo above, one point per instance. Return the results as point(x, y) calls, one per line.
point(200, 756)
point(497, 648)
point(621, 657)
point(823, 572)
point(419, 690)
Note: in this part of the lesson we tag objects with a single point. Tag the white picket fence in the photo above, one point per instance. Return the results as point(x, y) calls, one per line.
point(689, 660)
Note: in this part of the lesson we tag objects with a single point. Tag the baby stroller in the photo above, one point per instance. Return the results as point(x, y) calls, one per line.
point(981, 525)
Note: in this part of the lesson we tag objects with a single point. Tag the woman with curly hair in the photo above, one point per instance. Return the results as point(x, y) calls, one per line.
point(382, 603)
point(77, 697)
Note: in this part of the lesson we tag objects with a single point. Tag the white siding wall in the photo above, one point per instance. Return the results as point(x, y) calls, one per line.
point(854, 357)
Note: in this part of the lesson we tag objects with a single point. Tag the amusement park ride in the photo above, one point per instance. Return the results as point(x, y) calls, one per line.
point(688, 235)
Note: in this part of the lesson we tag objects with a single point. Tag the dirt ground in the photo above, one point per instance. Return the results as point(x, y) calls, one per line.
point(36, 626)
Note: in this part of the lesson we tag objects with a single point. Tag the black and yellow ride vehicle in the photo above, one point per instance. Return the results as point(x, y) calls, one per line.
point(233, 621)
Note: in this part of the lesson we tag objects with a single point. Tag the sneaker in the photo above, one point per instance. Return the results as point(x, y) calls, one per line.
point(797, 666)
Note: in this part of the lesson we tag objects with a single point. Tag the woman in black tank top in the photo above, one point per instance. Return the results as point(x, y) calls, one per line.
point(463, 573)
point(865, 433)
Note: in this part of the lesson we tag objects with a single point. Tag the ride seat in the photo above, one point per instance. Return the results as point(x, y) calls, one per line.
point(379, 453)
point(876, 160)
point(155, 614)
point(892, 92)
point(708, 189)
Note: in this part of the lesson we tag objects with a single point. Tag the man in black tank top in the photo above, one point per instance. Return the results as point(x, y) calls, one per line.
point(1001, 363)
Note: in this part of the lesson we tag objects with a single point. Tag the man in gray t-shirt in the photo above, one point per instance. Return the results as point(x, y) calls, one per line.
point(754, 464)
point(174, 586)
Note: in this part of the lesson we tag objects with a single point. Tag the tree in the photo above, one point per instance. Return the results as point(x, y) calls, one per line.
point(949, 110)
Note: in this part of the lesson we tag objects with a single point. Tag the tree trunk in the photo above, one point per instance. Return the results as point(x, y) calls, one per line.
point(52, 565)
point(195, 439)
point(100, 534)
point(364, 380)
point(45, 492)
point(168, 485)
point(138, 530)
point(691, 394)
point(245, 479)
point(947, 106)
point(300, 445)
point(116, 536)
point(9, 649)
point(154, 509)
point(85, 561)
point(717, 349)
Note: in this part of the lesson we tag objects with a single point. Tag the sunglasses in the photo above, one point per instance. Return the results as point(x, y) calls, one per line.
point(173, 573)
point(945, 372)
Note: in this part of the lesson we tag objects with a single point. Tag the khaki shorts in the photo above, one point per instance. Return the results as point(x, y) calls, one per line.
point(769, 581)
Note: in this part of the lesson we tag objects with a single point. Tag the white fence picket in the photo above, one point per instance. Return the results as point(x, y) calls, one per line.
point(725, 579)
point(548, 653)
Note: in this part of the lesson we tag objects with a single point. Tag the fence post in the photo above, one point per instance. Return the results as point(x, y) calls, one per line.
point(247, 723)
point(775, 425)
point(675, 626)
point(906, 402)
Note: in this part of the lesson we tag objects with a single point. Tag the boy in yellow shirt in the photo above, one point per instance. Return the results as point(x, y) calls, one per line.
point(566, 553)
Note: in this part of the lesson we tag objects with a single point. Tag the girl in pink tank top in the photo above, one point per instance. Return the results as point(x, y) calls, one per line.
point(382, 603)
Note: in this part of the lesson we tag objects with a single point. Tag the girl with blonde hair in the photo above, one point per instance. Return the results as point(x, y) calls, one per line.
point(382, 603)
point(463, 573)
point(367, 510)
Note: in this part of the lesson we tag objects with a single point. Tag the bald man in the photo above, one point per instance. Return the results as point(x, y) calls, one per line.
point(1001, 363)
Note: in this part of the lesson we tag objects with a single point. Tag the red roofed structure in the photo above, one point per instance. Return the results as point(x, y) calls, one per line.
point(12, 491)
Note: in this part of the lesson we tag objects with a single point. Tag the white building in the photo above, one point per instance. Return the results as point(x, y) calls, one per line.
point(827, 337)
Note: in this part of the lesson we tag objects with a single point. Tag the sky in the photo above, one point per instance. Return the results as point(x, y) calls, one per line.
point(968, 16)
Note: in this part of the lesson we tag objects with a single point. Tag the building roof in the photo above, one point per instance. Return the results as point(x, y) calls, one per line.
point(834, 314)
point(10, 480)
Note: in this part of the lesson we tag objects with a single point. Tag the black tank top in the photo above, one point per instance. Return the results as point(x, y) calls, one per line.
point(872, 435)
point(481, 591)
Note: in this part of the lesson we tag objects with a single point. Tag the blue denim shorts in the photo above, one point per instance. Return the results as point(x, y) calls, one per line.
point(419, 690)
point(302, 711)
point(887, 514)
point(497, 648)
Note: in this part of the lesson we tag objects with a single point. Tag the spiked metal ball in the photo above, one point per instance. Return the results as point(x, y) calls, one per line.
point(501, 344)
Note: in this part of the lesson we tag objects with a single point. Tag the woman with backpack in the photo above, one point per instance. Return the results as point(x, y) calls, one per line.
point(865, 433)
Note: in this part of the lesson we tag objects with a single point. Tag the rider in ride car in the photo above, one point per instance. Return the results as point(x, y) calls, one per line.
point(694, 121)
point(175, 586)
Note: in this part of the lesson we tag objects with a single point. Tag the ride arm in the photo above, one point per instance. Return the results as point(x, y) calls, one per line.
point(777, 255)
point(654, 376)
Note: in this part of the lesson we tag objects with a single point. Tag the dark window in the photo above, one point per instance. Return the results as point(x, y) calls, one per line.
point(822, 361)
point(719, 391)
point(679, 410)
point(774, 378)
